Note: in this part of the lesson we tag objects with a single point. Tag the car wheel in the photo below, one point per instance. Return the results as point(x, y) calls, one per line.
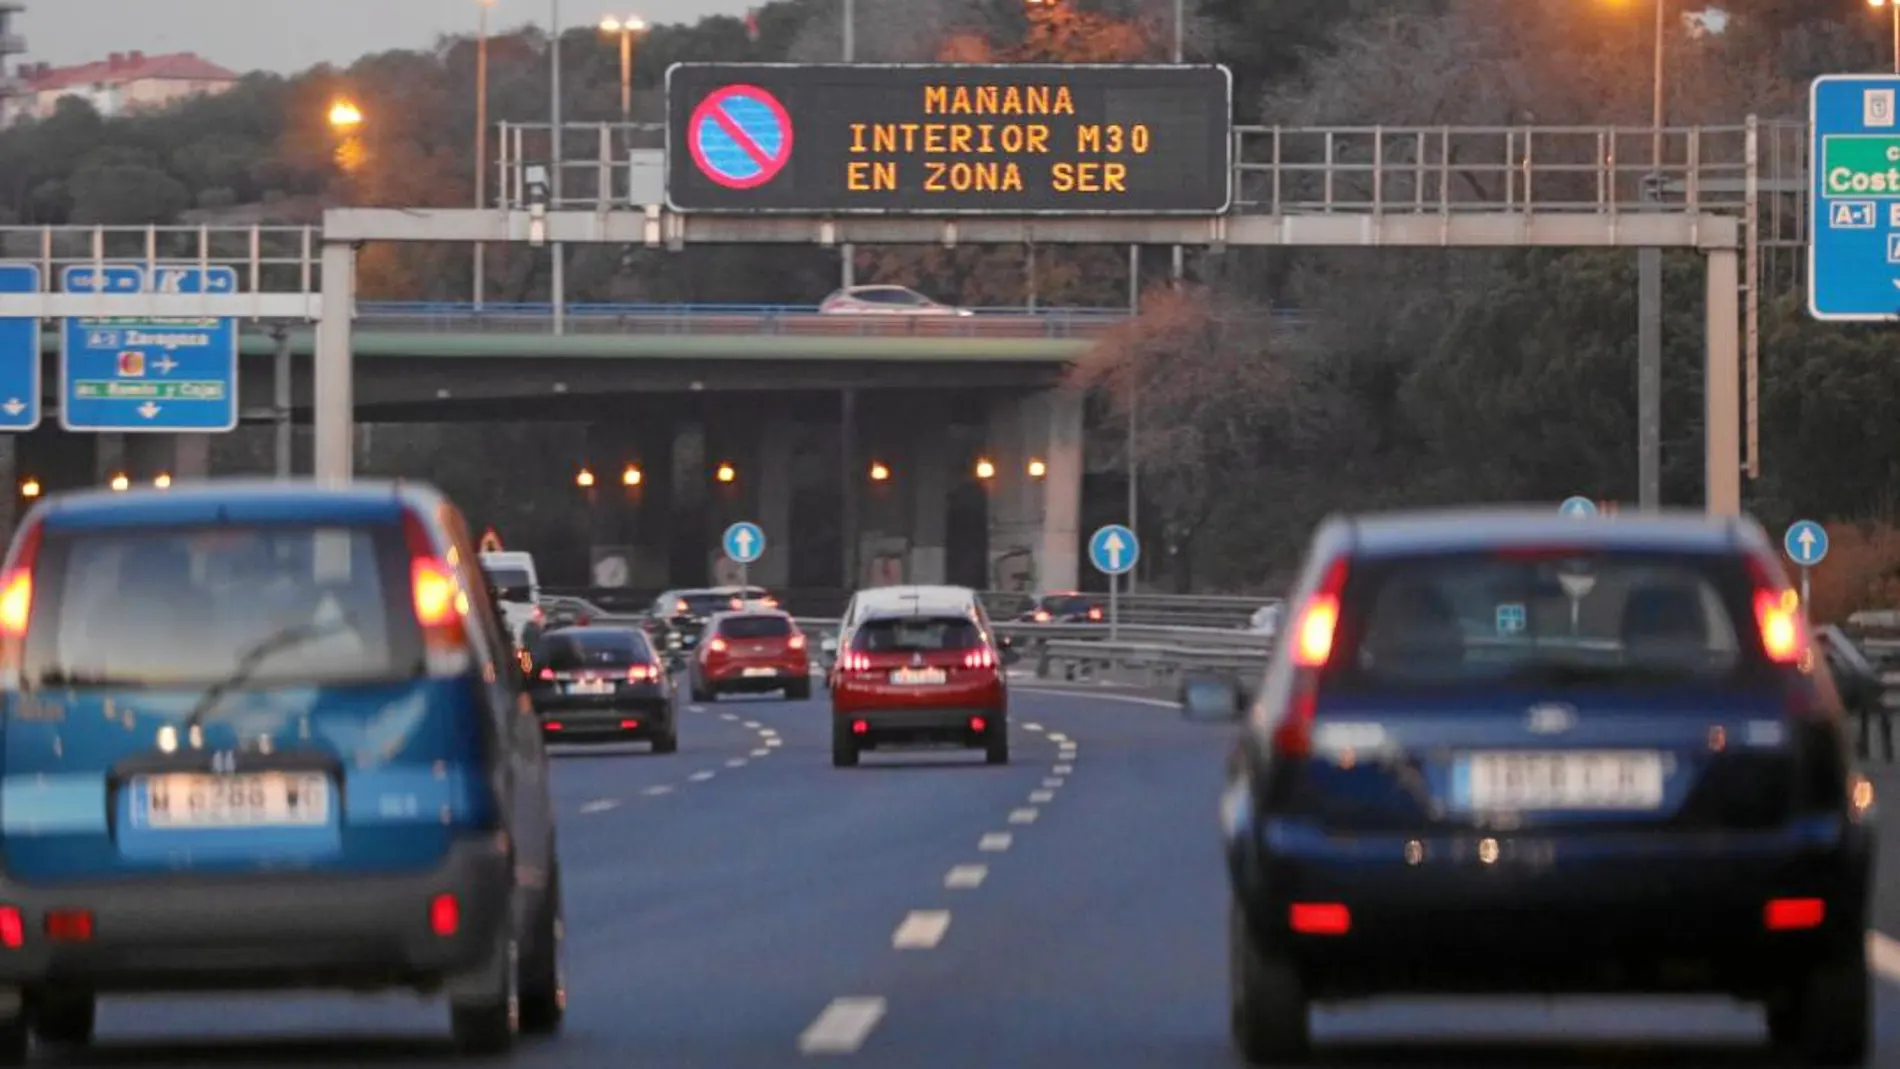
point(669, 742)
point(844, 749)
point(544, 983)
point(1826, 1018)
point(799, 691)
point(1267, 1007)
point(996, 748)
point(701, 693)
point(65, 1019)
point(489, 1023)
point(15, 1042)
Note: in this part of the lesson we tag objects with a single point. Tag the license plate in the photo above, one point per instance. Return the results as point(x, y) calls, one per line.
point(755, 672)
point(912, 677)
point(591, 686)
point(254, 800)
point(1596, 780)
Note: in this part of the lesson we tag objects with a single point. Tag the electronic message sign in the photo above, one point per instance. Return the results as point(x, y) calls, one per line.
point(943, 139)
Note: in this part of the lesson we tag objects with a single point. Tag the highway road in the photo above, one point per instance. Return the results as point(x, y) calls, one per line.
point(742, 903)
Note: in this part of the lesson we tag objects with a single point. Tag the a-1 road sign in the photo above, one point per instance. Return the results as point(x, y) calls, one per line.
point(1806, 543)
point(153, 374)
point(1854, 198)
point(1114, 549)
point(744, 542)
point(19, 354)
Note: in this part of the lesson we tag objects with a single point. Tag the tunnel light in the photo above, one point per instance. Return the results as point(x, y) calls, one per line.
point(163, 481)
point(879, 472)
point(726, 473)
point(985, 469)
point(632, 476)
point(584, 478)
point(120, 482)
point(30, 488)
point(1037, 469)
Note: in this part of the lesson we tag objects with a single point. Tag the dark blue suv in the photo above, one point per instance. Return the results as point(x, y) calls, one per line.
point(265, 735)
point(1502, 752)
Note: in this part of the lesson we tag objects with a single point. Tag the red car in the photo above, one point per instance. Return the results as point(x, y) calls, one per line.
point(751, 652)
point(919, 678)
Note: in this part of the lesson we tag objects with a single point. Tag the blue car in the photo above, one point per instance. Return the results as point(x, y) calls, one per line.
point(267, 736)
point(1506, 752)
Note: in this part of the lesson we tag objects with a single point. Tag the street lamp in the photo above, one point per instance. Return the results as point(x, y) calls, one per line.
point(481, 147)
point(984, 469)
point(726, 473)
point(345, 115)
point(584, 478)
point(633, 476)
point(120, 483)
point(1895, 5)
point(626, 28)
point(30, 488)
point(163, 481)
point(879, 472)
point(1037, 469)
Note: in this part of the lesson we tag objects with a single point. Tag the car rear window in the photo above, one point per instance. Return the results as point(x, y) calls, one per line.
point(512, 583)
point(582, 649)
point(755, 627)
point(1582, 619)
point(1065, 603)
point(189, 606)
point(704, 604)
point(916, 634)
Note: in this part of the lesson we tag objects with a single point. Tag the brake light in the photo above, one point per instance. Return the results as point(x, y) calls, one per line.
point(1319, 918)
point(629, 725)
point(641, 672)
point(69, 925)
point(679, 607)
point(717, 645)
point(854, 661)
point(1778, 613)
point(977, 724)
point(1793, 914)
point(539, 616)
point(12, 928)
point(859, 727)
point(979, 658)
point(547, 673)
point(554, 725)
point(1293, 736)
point(1042, 616)
point(796, 642)
point(1095, 612)
point(441, 605)
point(16, 603)
point(1319, 620)
point(769, 602)
point(737, 604)
point(445, 915)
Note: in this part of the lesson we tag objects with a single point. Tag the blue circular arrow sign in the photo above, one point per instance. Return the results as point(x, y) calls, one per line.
point(1577, 508)
point(1806, 543)
point(1114, 549)
point(744, 542)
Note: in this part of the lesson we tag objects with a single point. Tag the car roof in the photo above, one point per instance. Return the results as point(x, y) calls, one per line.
point(1478, 529)
point(881, 595)
point(920, 611)
point(594, 629)
point(731, 614)
point(238, 501)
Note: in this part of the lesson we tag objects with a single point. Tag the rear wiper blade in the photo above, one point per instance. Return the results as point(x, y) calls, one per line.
point(252, 658)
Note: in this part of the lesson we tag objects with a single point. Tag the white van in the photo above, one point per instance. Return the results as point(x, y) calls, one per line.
point(517, 588)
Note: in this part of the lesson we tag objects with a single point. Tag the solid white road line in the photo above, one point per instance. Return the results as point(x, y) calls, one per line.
point(1883, 953)
point(1039, 797)
point(737, 762)
point(600, 805)
point(656, 791)
point(700, 777)
point(843, 1026)
point(921, 930)
point(965, 877)
point(994, 842)
point(1022, 816)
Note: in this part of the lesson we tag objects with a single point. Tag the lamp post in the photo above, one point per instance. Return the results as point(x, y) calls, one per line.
point(1895, 5)
point(848, 253)
point(1649, 301)
point(626, 29)
point(481, 145)
point(558, 281)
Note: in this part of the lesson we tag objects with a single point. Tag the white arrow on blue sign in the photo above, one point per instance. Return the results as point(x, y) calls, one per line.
point(1114, 549)
point(744, 542)
point(1806, 543)
point(19, 354)
point(1577, 508)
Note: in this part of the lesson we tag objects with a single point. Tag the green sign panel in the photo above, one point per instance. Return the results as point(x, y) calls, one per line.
point(1866, 165)
point(114, 390)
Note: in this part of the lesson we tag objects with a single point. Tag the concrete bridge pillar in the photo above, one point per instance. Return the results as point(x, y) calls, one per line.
point(929, 478)
point(144, 457)
point(776, 443)
point(628, 526)
point(1034, 542)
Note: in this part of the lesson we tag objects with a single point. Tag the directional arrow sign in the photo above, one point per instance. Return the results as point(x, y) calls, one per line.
point(1114, 549)
point(20, 354)
point(1806, 543)
point(744, 542)
point(1577, 508)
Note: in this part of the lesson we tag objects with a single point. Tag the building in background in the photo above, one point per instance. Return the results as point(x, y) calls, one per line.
point(11, 44)
point(122, 83)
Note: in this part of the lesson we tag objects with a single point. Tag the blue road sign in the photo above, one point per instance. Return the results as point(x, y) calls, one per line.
point(1854, 197)
point(1114, 549)
point(740, 136)
point(152, 374)
point(19, 354)
point(1806, 543)
point(744, 542)
point(1577, 508)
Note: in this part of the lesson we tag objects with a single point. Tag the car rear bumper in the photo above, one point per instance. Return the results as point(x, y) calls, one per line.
point(1618, 912)
point(277, 931)
point(734, 677)
point(924, 727)
point(616, 718)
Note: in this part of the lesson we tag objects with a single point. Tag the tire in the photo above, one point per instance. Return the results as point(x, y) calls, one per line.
point(543, 979)
point(996, 748)
point(489, 1025)
point(1826, 1018)
point(669, 742)
point(844, 749)
point(65, 1020)
point(16, 1045)
point(799, 691)
point(701, 694)
point(1267, 1000)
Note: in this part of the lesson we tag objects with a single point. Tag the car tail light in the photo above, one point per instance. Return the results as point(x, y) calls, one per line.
point(445, 915)
point(16, 603)
point(859, 727)
point(979, 658)
point(547, 674)
point(717, 645)
point(1095, 612)
point(642, 673)
point(1313, 638)
point(441, 605)
point(69, 925)
point(796, 642)
point(629, 725)
point(1319, 918)
point(680, 608)
point(583, 620)
point(737, 604)
point(1778, 614)
point(12, 928)
point(1293, 735)
point(1041, 616)
point(978, 724)
point(854, 661)
point(539, 616)
point(1793, 914)
point(554, 725)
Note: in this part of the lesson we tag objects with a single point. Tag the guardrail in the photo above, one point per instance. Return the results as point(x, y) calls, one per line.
point(1135, 610)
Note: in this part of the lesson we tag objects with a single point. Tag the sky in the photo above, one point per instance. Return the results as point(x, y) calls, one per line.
point(289, 35)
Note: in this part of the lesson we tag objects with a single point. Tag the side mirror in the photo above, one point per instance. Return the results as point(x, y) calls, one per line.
point(1208, 697)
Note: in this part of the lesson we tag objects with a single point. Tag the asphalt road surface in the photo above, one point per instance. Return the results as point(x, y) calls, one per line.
point(743, 904)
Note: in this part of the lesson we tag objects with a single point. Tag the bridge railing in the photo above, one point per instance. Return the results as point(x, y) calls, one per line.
point(689, 319)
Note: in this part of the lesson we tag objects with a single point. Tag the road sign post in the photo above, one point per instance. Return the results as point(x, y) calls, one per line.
point(1113, 550)
point(175, 375)
point(1577, 508)
point(744, 542)
point(1806, 544)
point(1854, 198)
point(19, 354)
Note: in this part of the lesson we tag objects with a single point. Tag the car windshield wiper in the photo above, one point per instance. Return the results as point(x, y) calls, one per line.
point(256, 655)
point(70, 678)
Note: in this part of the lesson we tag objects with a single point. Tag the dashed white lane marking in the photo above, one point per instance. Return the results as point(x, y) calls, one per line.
point(921, 930)
point(768, 733)
point(1059, 737)
point(754, 724)
point(657, 791)
point(774, 741)
point(1883, 953)
point(728, 716)
point(843, 1026)
point(1053, 781)
point(1032, 727)
point(700, 777)
point(1067, 753)
point(1022, 816)
point(1063, 770)
point(994, 842)
point(965, 877)
point(695, 708)
point(1039, 797)
point(761, 752)
point(600, 805)
point(737, 762)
